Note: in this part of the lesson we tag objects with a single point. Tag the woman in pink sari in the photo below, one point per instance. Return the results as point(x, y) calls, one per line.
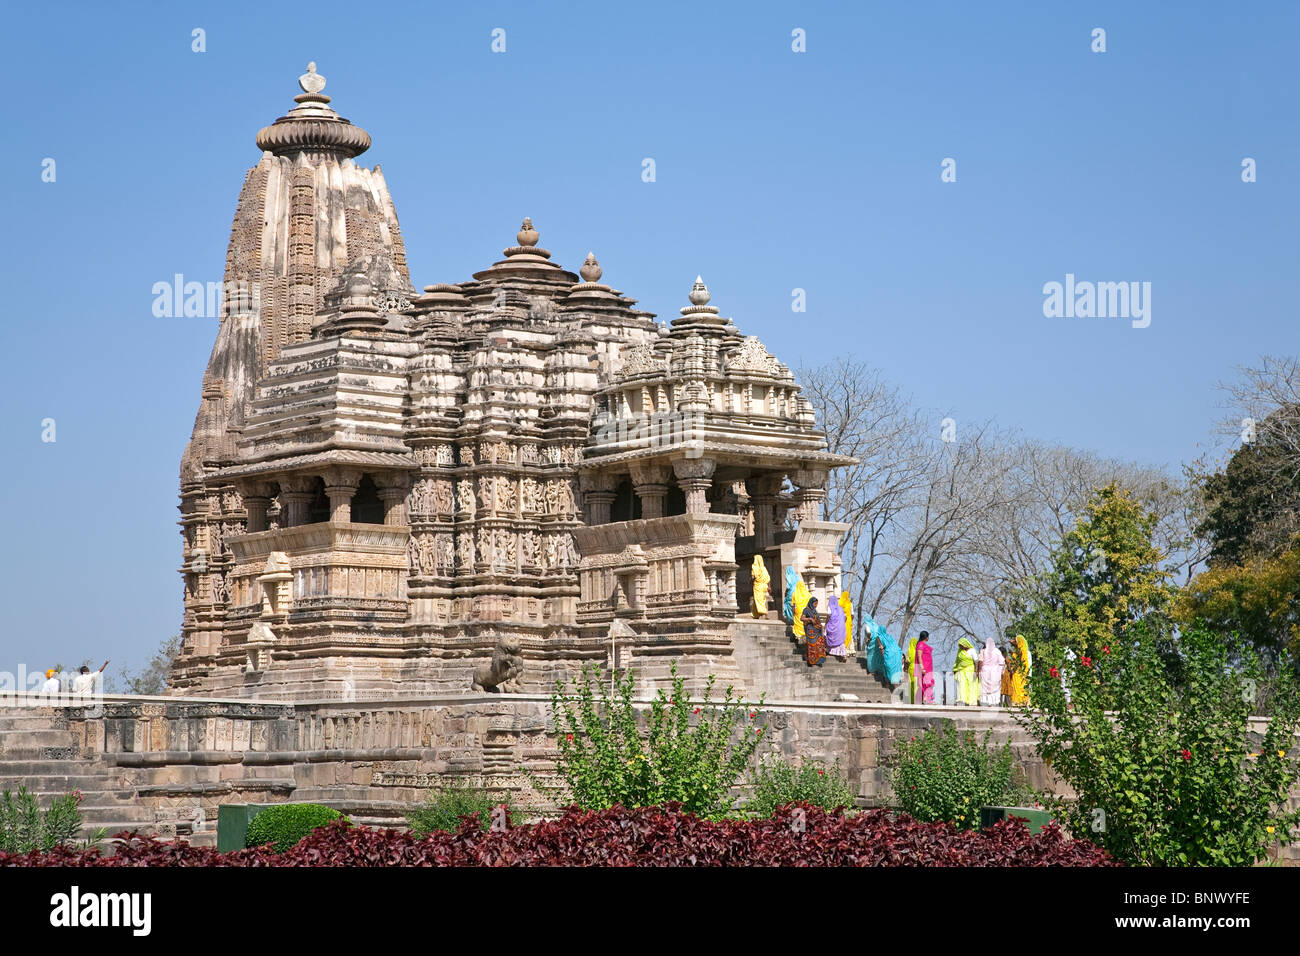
point(925, 667)
point(991, 664)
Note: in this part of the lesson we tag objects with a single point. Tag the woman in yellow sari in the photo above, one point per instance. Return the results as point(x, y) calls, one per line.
point(761, 581)
point(801, 597)
point(1022, 664)
point(910, 662)
point(848, 621)
point(1009, 661)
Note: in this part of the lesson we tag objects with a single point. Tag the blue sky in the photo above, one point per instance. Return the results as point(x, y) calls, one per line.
point(775, 170)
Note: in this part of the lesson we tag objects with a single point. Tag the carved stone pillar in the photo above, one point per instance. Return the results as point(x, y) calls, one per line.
point(393, 488)
point(295, 500)
point(741, 493)
point(810, 492)
point(768, 515)
point(650, 482)
point(695, 475)
point(597, 497)
point(257, 499)
point(340, 485)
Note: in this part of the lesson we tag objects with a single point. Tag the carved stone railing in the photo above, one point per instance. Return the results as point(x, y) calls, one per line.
point(334, 566)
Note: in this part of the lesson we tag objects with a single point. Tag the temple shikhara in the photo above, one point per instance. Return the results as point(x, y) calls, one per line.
point(479, 486)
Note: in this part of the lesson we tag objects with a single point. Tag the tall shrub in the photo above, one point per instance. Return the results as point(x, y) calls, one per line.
point(284, 825)
point(777, 783)
point(25, 827)
point(685, 751)
point(947, 774)
point(446, 808)
point(1166, 762)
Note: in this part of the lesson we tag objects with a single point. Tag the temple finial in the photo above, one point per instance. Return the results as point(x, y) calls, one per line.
point(527, 234)
point(591, 270)
point(699, 292)
point(311, 81)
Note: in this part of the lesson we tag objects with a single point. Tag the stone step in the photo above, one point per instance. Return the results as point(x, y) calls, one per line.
point(80, 770)
point(47, 791)
point(778, 651)
point(37, 744)
point(114, 827)
point(20, 720)
point(34, 734)
point(114, 819)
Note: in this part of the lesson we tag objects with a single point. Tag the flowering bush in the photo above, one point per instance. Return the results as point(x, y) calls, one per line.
point(1161, 751)
point(24, 826)
point(948, 775)
point(691, 752)
point(660, 836)
point(777, 783)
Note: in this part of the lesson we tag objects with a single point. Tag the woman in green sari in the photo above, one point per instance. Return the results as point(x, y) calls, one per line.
point(964, 671)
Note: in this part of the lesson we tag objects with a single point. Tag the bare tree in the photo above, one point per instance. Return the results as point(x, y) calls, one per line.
point(868, 419)
point(942, 533)
point(1265, 404)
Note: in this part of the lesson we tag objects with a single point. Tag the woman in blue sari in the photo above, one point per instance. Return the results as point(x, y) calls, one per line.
point(884, 656)
point(791, 582)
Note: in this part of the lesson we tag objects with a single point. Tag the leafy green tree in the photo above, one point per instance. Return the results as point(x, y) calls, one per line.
point(1105, 575)
point(1167, 764)
point(1257, 603)
point(691, 752)
point(1252, 521)
point(1252, 506)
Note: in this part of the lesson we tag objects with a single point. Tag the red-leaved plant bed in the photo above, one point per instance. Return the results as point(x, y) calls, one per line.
point(658, 836)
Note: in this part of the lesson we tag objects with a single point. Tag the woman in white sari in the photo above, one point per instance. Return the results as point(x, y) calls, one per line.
point(991, 664)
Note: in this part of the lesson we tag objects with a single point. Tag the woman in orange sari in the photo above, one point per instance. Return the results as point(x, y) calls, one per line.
point(814, 635)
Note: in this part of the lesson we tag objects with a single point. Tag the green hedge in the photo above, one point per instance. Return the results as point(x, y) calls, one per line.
point(285, 824)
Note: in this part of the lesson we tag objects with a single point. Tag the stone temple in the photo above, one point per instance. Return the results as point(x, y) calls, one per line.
point(406, 514)
point(479, 486)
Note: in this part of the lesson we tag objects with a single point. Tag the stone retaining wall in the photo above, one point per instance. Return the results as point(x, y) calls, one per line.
point(184, 757)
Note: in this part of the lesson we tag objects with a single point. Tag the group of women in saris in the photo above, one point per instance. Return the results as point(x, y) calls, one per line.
point(989, 677)
point(833, 638)
point(993, 678)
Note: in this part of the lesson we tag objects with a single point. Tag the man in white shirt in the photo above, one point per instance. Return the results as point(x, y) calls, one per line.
point(83, 685)
point(51, 686)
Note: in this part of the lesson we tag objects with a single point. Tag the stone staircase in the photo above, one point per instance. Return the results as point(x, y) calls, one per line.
point(38, 751)
point(772, 662)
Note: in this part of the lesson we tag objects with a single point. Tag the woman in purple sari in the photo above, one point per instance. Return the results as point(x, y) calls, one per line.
point(835, 632)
